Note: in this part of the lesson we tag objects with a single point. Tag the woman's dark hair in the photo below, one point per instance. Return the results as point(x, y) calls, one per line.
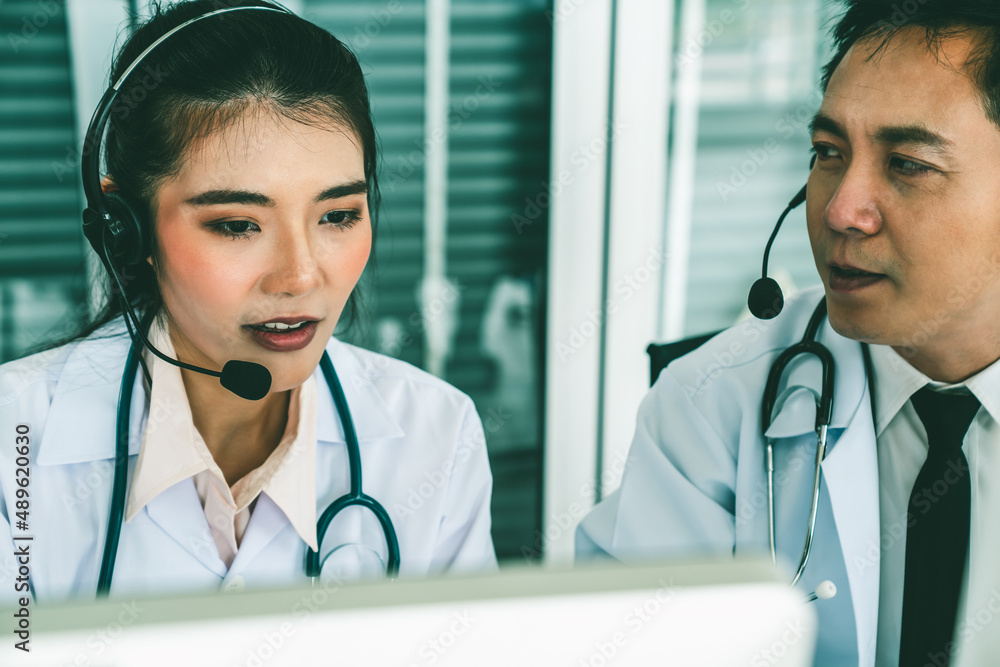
point(202, 79)
point(882, 20)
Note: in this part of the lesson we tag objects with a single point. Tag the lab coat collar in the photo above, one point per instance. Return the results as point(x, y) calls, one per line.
point(796, 404)
point(369, 412)
point(82, 417)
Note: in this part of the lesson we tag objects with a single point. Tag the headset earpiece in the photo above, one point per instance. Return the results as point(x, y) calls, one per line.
point(126, 240)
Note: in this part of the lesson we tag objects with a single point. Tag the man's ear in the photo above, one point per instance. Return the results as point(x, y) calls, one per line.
point(108, 184)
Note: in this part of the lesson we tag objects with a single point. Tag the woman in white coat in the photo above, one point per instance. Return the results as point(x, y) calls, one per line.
point(242, 145)
point(698, 446)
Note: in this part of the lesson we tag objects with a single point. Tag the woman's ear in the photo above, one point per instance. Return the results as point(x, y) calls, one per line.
point(108, 184)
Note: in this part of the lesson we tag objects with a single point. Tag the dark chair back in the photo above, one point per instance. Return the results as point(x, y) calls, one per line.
point(661, 354)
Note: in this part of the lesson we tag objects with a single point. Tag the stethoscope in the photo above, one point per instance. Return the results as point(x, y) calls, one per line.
point(312, 565)
point(824, 412)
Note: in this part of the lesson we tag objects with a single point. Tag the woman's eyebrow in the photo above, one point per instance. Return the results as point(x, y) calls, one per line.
point(246, 197)
point(224, 196)
point(345, 190)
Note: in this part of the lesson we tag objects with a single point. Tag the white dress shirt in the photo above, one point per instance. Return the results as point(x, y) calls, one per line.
point(902, 450)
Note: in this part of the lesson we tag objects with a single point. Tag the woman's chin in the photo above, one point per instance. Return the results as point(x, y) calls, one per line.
point(286, 380)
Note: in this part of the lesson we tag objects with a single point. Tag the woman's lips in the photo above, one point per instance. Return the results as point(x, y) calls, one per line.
point(287, 340)
point(850, 280)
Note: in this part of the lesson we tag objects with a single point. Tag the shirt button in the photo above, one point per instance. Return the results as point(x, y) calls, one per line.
point(234, 585)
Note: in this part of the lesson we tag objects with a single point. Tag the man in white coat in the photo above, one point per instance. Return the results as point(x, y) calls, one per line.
point(904, 222)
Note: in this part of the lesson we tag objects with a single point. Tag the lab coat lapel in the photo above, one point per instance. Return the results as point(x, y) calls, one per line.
point(850, 472)
point(179, 513)
point(850, 469)
point(266, 521)
point(369, 412)
point(87, 393)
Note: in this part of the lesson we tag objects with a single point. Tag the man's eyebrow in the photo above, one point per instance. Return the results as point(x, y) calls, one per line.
point(246, 197)
point(823, 123)
point(911, 134)
point(892, 135)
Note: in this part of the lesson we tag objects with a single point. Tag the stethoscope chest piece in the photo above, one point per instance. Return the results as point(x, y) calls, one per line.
point(351, 562)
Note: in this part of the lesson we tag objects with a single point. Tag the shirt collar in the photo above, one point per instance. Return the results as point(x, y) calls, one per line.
point(896, 380)
point(169, 453)
point(292, 483)
point(173, 450)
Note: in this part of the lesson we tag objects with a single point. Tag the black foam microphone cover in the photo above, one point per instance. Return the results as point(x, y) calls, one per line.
point(246, 379)
point(765, 300)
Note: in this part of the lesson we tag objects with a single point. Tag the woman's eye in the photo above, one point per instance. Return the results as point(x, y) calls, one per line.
point(345, 219)
point(908, 167)
point(236, 229)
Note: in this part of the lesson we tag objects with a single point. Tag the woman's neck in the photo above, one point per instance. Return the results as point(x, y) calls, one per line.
point(240, 434)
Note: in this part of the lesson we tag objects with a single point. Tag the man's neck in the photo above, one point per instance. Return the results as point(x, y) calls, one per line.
point(950, 365)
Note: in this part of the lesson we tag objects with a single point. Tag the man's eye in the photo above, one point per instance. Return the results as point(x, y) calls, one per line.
point(908, 167)
point(345, 219)
point(825, 152)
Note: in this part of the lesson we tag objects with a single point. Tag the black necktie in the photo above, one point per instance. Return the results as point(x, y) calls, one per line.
point(937, 535)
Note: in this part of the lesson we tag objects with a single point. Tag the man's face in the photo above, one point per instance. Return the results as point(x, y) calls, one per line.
point(903, 203)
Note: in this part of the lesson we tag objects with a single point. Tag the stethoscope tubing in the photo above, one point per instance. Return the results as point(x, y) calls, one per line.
point(117, 509)
point(355, 496)
point(824, 413)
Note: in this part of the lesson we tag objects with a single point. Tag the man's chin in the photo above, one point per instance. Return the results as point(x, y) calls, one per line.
point(858, 324)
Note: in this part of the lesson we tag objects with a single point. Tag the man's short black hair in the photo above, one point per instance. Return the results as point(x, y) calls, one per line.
point(881, 20)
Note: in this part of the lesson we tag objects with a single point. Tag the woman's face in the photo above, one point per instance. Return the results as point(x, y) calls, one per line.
point(266, 223)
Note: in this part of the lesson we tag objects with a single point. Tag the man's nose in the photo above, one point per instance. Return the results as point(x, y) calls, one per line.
point(854, 208)
point(294, 269)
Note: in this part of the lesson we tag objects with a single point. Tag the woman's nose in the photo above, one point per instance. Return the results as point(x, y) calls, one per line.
point(294, 269)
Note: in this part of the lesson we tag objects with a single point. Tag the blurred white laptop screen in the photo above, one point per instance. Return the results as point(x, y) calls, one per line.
point(698, 614)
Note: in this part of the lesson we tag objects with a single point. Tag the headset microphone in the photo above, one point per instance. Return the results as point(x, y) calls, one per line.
point(244, 378)
point(766, 300)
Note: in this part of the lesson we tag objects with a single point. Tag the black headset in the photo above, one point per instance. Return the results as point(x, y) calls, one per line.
point(111, 221)
point(766, 300)
point(113, 224)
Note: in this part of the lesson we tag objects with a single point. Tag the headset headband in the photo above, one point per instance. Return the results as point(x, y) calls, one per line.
point(90, 163)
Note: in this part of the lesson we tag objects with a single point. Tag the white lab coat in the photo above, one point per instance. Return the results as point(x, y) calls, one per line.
point(423, 458)
point(695, 479)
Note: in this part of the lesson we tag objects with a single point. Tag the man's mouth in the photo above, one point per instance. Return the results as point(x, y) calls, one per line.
point(849, 279)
